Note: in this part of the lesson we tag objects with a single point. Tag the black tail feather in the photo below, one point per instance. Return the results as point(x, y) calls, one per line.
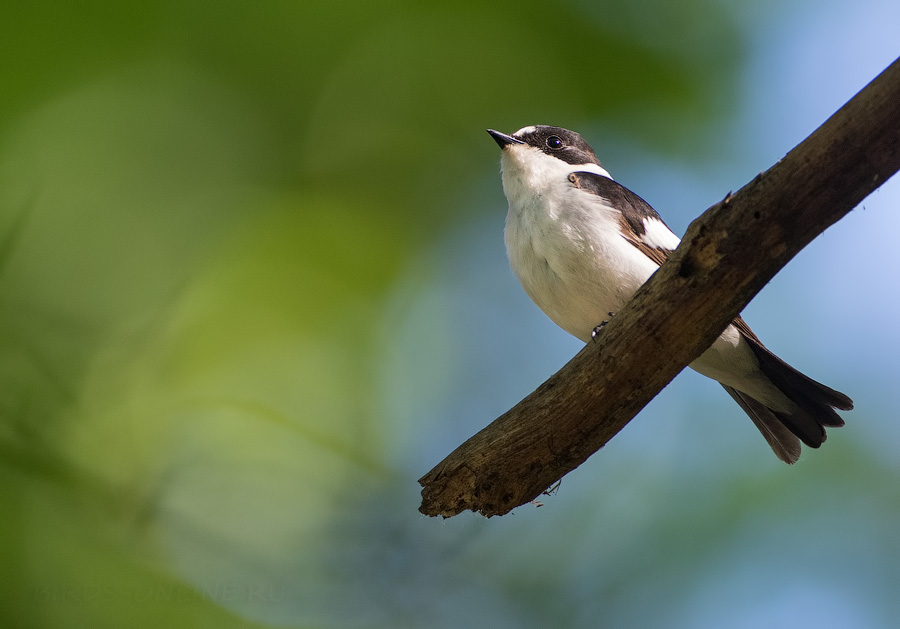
point(782, 440)
point(815, 404)
point(790, 380)
point(814, 400)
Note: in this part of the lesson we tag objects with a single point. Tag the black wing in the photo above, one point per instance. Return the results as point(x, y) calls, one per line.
point(633, 210)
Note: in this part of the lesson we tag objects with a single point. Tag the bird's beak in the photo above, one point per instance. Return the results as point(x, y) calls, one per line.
point(503, 140)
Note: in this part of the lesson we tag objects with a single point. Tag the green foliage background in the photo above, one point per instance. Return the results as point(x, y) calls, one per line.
point(215, 219)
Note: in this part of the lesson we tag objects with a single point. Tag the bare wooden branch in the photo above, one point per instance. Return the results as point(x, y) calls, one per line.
point(726, 257)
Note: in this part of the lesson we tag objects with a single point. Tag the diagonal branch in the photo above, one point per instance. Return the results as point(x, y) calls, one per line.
point(726, 257)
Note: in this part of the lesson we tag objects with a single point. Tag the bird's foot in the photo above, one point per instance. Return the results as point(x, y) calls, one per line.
point(600, 327)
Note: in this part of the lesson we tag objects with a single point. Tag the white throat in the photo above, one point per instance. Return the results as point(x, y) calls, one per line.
point(526, 167)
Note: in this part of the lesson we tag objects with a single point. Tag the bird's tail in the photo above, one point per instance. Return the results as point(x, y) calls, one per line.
point(814, 402)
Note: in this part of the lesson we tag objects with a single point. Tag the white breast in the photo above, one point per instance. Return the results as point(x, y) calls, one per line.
point(565, 244)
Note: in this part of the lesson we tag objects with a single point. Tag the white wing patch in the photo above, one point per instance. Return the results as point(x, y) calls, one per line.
point(656, 234)
point(592, 168)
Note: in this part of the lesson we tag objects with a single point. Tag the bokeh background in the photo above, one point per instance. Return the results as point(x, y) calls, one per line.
point(253, 286)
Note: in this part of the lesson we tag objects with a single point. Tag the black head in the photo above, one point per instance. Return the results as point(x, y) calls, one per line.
point(561, 143)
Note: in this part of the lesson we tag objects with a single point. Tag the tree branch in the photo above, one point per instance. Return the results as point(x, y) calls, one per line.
point(725, 258)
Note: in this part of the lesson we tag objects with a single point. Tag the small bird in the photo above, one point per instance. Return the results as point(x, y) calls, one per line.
point(582, 244)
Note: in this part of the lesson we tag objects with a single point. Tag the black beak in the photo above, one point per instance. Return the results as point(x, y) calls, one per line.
point(503, 140)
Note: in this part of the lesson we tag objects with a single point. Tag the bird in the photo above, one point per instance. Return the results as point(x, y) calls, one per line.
point(581, 244)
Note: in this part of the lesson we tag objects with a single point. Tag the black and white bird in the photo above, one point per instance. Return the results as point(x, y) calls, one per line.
point(582, 244)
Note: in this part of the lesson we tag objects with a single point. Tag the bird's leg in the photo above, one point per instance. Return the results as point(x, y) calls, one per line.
point(600, 327)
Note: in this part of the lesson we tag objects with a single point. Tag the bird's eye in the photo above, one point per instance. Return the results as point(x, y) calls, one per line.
point(554, 142)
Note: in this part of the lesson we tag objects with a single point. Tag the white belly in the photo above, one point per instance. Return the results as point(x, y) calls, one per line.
point(578, 269)
point(573, 262)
